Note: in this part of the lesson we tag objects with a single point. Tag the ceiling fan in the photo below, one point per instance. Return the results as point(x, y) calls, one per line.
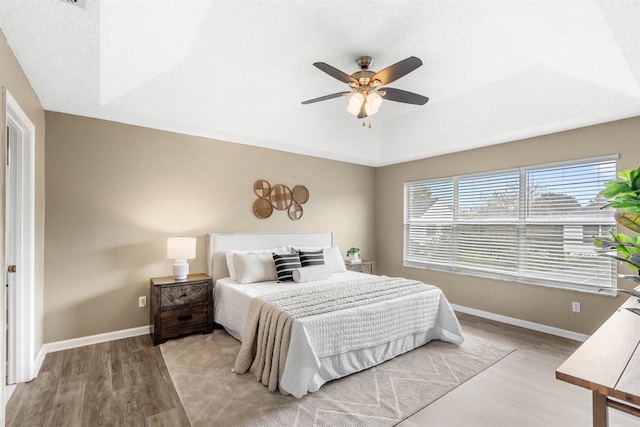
point(367, 86)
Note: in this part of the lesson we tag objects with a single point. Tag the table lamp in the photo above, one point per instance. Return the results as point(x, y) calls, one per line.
point(181, 249)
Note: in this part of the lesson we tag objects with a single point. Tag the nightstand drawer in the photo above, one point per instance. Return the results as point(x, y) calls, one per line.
point(184, 317)
point(171, 296)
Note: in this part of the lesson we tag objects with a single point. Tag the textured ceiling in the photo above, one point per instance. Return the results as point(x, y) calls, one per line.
point(495, 71)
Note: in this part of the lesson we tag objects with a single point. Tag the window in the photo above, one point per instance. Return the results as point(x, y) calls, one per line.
point(534, 224)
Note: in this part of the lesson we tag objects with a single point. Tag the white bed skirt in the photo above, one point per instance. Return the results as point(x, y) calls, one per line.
point(341, 365)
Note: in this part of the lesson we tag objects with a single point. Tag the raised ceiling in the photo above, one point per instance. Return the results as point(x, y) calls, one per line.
point(495, 71)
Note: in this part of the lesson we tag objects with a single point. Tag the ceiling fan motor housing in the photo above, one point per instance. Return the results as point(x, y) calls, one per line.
point(364, 75)
point(364, 62)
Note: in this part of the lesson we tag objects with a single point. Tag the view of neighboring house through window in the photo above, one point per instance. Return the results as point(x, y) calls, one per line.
point(534, 224)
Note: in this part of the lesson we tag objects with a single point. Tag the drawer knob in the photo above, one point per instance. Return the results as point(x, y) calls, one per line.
point(185, 295)
point(184, 318)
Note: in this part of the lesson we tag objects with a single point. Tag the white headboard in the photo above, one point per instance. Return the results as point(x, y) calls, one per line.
point(218, 243)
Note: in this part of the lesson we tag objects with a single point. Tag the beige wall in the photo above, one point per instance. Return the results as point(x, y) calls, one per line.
point(12, 78)
point(538, 304)
point(115, 193)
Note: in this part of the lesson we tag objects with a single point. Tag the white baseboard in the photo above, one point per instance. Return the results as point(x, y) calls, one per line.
point(522, 323)
point(39, 359)
point(52, 347)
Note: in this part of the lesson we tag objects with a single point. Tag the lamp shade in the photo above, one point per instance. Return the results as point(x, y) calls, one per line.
point(181, 247)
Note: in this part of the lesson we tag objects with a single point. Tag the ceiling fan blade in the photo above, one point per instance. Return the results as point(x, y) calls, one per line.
point(399, 95)
point(397, 70)
point(324, 98)
point(362, 114)
point(335, 73)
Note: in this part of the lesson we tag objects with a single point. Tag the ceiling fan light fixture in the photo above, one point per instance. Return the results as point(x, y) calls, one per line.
point(370, 110)
point(368, 88)
point(355, 103)
point(353, 110)
point(356, 99)
point(374, 100)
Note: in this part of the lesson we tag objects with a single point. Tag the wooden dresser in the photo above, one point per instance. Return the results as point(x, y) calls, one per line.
point(181, 307)
point(363, 267)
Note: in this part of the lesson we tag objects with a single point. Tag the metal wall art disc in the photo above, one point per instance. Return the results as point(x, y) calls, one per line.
point(262, 208)
point(262, 188)
point(300, 194)
point(281, 197)
point(295, 211)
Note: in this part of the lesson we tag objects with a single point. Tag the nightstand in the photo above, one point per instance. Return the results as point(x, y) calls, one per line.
point(363, 267)
point(181, 307)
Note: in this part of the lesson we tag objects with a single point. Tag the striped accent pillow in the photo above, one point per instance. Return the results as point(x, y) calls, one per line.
point(285, 264)
point(311, 258)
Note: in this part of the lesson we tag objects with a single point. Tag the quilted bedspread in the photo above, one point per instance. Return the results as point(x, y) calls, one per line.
point(287, 332)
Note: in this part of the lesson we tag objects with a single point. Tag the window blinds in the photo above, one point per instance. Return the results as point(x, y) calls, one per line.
point(532, 224)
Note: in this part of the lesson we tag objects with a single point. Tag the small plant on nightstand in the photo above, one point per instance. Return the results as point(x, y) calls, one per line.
point(353, 254)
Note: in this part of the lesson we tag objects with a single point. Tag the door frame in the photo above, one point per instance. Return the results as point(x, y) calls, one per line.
point(21, 328)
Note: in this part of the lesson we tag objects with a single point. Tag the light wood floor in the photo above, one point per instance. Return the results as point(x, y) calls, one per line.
point(125, 382)
point(520, 390)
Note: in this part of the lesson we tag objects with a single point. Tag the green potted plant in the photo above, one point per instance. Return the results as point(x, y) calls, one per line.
point(624, 195)
point(353, 254)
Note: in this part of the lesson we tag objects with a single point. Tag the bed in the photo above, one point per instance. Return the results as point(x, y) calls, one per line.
point(326, 344)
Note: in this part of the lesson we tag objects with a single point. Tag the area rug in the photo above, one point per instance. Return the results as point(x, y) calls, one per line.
point(200, 368)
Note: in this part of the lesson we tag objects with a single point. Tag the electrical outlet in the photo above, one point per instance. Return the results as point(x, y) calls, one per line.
point(142, 302)
point(575, 307)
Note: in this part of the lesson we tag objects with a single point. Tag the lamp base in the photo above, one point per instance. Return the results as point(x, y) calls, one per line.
point(180, 269)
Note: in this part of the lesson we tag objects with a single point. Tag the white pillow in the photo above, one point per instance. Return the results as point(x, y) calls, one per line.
point(230, 262)
point(230, 265)
point(308, 274)
point(252, 267)
point(332, 257)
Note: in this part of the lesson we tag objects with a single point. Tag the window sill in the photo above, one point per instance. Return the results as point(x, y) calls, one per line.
point(609, 292)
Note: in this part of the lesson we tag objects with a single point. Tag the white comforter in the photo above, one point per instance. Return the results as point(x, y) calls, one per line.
point(335, 344)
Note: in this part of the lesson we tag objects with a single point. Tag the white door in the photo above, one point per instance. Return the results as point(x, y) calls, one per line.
point(10, 250)
point(19, 242)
